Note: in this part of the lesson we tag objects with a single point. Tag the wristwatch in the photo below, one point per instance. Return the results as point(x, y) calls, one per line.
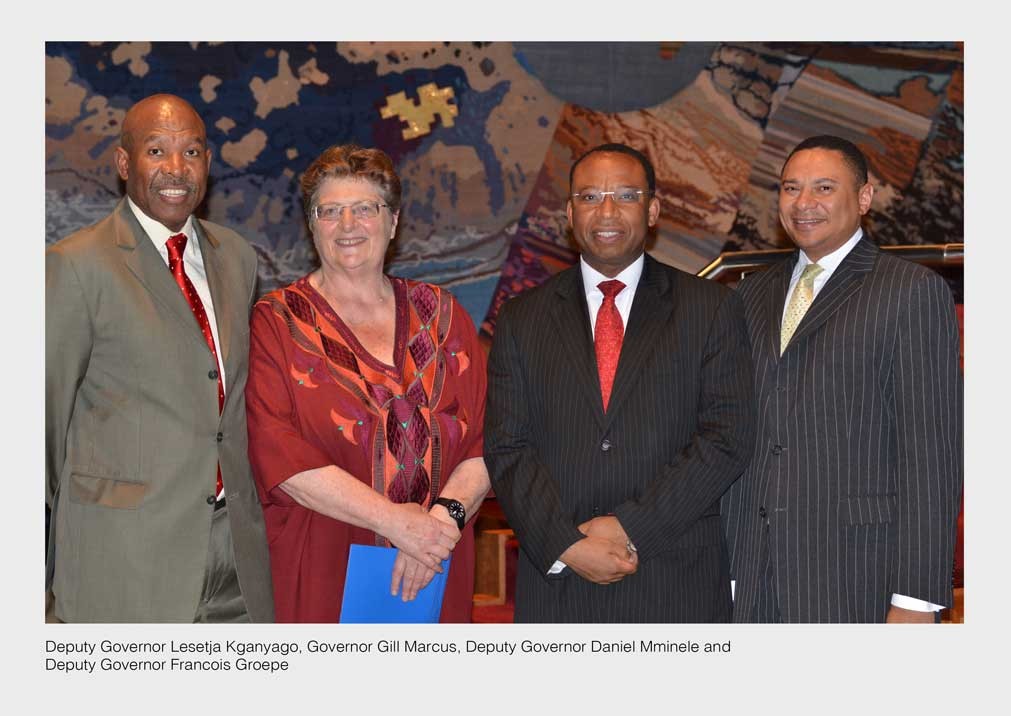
point(455, 510)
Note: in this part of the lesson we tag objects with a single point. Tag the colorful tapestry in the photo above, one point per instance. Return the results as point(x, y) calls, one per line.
point(483, 135)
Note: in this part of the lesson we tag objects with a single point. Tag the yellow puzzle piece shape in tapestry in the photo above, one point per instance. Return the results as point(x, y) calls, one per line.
point(420, 117)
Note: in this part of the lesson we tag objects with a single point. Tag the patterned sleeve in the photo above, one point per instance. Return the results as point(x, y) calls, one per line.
point(473, 381)
point(277, 449)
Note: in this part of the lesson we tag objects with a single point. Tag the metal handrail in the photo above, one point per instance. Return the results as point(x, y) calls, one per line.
point(747, 261)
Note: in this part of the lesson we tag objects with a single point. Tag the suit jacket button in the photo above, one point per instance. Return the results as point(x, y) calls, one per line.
point(596, 511)
point(220, 437)
point(762, 513)
point(606, 445)
point(213, 374)
point(777, 449)
point(211, 499)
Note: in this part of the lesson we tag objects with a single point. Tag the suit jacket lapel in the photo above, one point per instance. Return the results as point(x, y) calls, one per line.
point(571, 319)
point(775, 303)
point(653, 303)
point(220, 276)
point(844, 282)
point(146, 264)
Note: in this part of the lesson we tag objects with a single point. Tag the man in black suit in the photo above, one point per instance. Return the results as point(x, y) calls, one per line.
point(619, 410)
point(848, 509)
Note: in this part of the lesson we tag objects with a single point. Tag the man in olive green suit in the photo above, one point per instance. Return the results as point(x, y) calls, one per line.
point(146, 358)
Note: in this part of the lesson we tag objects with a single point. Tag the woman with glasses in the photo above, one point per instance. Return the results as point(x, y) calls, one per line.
point(365, 403)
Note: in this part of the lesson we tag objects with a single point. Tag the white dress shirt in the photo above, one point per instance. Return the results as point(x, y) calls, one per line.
point(193, 263)
point(629, 276)
point(829, 264)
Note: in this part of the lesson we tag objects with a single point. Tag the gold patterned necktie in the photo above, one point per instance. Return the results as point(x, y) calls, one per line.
point(800, 301)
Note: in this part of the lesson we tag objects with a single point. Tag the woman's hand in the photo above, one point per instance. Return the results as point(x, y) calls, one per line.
point(412, 574)
point(421, 536)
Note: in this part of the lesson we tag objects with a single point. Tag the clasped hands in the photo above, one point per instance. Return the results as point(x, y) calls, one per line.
point(602, 556)
point(423, 540)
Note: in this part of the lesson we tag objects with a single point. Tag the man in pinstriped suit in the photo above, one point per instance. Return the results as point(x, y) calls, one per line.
point(612, 484)
point(847, 512)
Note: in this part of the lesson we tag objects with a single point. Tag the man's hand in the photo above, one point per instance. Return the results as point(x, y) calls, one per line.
point(599, 561)
point(607, 527)
point(425, 538)
point(898, 615)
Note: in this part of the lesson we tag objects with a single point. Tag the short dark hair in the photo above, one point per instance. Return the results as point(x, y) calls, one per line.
point(853, 157)
point(616, 148)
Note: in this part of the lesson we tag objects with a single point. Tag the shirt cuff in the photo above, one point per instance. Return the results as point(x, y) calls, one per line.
point(916, 605)
point(557, 567)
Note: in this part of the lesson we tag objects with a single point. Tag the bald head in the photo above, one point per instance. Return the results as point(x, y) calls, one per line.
point(141, 116)
point(164, 159)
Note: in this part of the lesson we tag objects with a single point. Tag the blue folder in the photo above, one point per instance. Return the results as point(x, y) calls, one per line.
point(367, 598)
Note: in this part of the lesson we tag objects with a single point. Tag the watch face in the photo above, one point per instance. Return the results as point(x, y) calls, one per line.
point(455, 510)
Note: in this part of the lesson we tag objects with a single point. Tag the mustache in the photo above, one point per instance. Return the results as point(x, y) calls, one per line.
point(162, 183)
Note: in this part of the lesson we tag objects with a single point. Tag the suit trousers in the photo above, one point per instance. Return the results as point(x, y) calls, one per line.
point(221, 600)
point(766, 609)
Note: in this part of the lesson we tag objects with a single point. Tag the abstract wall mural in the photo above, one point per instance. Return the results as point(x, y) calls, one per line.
point(483, 135)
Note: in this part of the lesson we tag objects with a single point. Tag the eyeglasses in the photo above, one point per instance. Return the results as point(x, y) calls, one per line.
point(359, 210)
point(592, 197)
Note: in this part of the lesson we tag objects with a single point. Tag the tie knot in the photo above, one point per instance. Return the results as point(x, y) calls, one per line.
point(176, 244)
point(811, 272)
point(611, 288)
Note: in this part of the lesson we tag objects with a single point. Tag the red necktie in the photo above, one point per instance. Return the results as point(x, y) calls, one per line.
point(607, 337)
point(176, 244)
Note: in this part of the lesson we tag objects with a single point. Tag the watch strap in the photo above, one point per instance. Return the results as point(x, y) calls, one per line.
point(455, 509)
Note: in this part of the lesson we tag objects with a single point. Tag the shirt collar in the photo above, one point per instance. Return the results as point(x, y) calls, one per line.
point(158, 232)
point(629, 275)
point(831, 261)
